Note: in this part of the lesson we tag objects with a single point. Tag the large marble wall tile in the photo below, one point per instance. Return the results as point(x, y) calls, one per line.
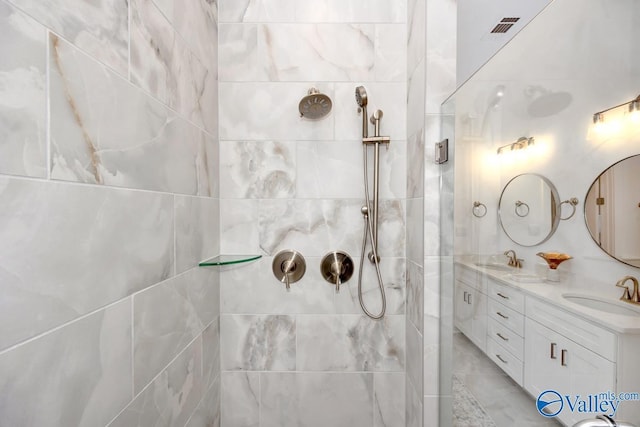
point(197, 230)
point(431, 374)
point(269, 111)
point(390, 97)
point(416, 33)
point(433, 193)
point(335, 169)
point(240, 401)
point(389, 399)
point(415, 164)
point(98, 27)
point(416, 87)
point(350, 343)
point(352, 11)
point(258, 169)
point(253, 288)
point(415, 359)
point(258, 343)
point(168, 316)
point(314, 227)
point(207, 414)
point(105, 131)
point(415, 227)
point(23, 53)
point(238, 231)
point(414, 412)
point(415, 294)
point(172, 396)
point(211, 354)
point(68, 250)
point(392, 271)
point(163, 64)
point(79, 375)
point(316, 399)
point(238, 53)
point(325, 52)
point(391, 53)
point(257, 10)
point(441, 52)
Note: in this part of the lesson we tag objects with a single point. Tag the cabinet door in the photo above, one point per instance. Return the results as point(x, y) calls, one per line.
point(462, 309)
point(542, 368)
point(478, 327)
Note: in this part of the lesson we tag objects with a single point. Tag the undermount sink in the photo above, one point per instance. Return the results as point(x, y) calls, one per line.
point(525, 278)
point(609, 306)
point(494, 266)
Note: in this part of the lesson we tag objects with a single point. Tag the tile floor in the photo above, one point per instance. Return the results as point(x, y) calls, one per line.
point(506, 403)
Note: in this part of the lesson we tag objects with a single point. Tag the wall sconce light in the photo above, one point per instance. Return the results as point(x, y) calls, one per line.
point(633, 108)
point(522, 143)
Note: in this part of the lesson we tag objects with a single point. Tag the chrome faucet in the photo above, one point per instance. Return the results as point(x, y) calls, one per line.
point(628, 296)
point(513, 259)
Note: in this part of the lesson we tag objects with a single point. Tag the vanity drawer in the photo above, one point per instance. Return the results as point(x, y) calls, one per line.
point(508, 296)
point(506, 317)
point(506, 337)
point(505, 360)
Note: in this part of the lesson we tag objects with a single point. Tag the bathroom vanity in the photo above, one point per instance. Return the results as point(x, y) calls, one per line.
point(547, 338)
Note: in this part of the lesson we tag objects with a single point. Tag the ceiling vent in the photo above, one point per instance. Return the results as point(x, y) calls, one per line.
point(504, 25)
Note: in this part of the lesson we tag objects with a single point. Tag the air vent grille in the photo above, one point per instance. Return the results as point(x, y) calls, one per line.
point(504, 25)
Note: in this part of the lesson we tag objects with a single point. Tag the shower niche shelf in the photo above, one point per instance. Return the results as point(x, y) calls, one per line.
point(228, 260)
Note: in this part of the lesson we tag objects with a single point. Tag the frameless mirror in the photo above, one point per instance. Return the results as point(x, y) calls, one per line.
point(528, 209)
point(612, 210)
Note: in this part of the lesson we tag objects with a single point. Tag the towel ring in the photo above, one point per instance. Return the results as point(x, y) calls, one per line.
point(573, 202)
point(519, 204)
point(479, 209)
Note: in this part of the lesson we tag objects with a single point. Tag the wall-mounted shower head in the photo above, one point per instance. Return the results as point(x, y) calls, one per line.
point(361, 96)
point(315, 105)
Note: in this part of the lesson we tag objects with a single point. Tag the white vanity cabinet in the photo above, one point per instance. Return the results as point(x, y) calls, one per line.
point(471, 306)
point(505, 329)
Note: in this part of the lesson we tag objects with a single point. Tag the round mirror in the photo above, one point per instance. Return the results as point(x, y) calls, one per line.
point(612, 210)
point(528, 209)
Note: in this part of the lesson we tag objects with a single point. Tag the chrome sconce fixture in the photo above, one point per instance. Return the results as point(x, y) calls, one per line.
point(633, 106)
point(520, 144)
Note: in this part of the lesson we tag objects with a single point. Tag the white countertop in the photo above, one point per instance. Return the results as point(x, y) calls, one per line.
point(552, 293)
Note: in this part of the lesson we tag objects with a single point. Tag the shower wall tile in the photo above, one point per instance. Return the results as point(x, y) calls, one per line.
point(323, 52)
point(160, 334)
point(316, 399)
point(415, 358)
point(432, 189)
point(207, 414)
point(382, 11)
point(324, 167)
point(415, 223)
point(197, 234)
point(240, 399)
point(416, 87)
point(431, 379)
point(416, 33)
point(23, 53)
point(415, 164)
point(432, 286)
point(253, 289)
point(211, 354)
point(238, 233)
point(77, 375)
point(314, 227)
point(269, 111)
point(392, 271)
point(390, 97)
point(415, 294)
point(440, 52)
point(389, 400)
point(257, 10)
point(258, 343)
point(238, 52)
point(258, 169)
point(414, 412)
point(105, 131)
point(350, 343)
point(390, 62)
point(44, 224)
point(163, 64)
point(98, 27)
point(172, 396)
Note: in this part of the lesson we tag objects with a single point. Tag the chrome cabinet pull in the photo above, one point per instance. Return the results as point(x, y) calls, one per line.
point(553, 350)
point(502, 296)
point(503, 338)
point(469, 298)
point(502, 315)
point(563, 357)
point(464, 298)
point(501, 359)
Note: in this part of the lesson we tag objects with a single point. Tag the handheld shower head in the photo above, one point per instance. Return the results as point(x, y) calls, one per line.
point(361, 96)
point(361, 99)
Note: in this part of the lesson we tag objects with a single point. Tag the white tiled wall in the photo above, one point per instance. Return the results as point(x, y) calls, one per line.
point(109, 164)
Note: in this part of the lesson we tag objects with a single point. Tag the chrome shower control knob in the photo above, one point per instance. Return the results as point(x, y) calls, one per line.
point(336, 268)
point(288, 266)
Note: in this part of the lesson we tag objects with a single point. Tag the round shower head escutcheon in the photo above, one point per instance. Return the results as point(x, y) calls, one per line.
point(315, 105)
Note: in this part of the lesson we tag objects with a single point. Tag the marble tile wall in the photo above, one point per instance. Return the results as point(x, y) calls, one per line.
point(309, 357)
point(109, 185)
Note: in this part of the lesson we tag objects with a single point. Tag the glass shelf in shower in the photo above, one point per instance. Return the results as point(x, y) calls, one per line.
point(228, 260)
